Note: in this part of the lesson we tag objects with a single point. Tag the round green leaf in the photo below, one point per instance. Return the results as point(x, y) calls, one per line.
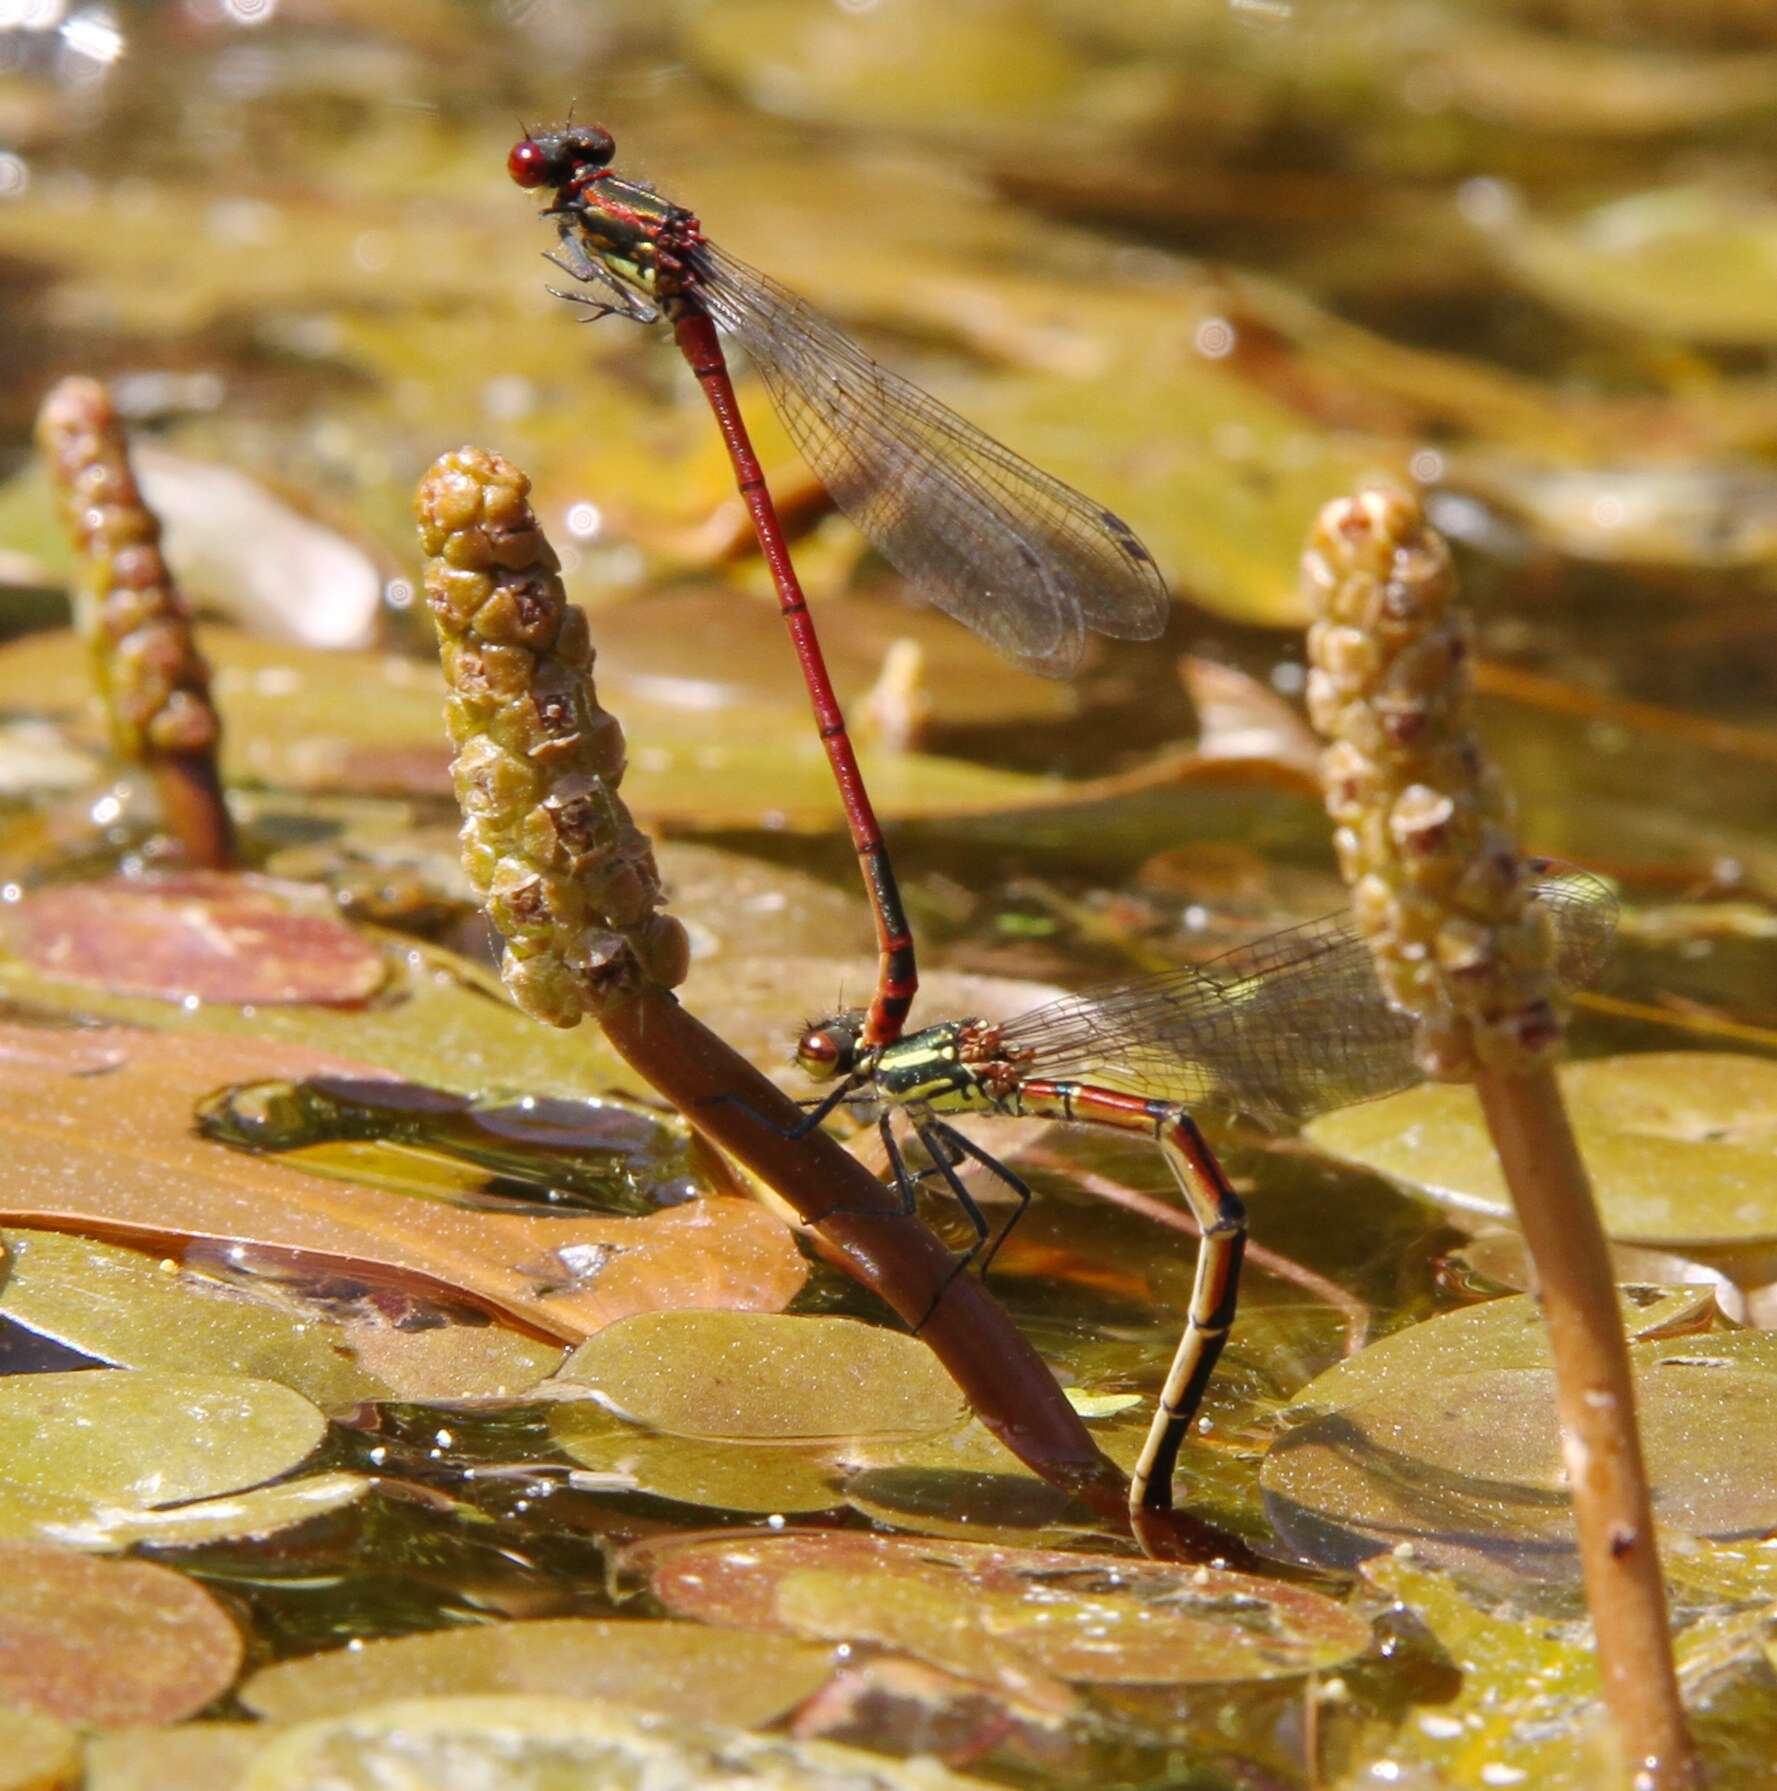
point(103, 1643)
point(1468, 1467)
point(1681, 1145)
point(765, 1377)
point(554, 1744)
point(1025, 1616)
point(683, 1670)
point(74, 1446)
point(131, 1309)
point(723, 1476)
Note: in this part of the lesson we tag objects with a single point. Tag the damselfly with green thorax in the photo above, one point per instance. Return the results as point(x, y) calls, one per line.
point(1280, 1029)
point(1012, 553)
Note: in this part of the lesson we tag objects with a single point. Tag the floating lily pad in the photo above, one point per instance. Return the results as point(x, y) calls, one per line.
point(104, 1643)
point(239, 1517)
point(1503, 1333)
point(129, 1309)
point(198, 936)
point(964, 1483)
point(683, 1670)
point(99, 1138)
point(1090, 1619)
point(38, 1752)
point(453, 1361)
point(765, 1377)
point(1697, 263)
point(1681, 1145)
point(441, 1021)
point(735, 1476)
point(76, 1446)
point(542, 1744)
point(1468, 1466)
point(210, 1755)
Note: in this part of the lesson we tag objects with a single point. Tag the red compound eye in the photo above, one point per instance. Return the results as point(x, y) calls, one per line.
point(528, 164)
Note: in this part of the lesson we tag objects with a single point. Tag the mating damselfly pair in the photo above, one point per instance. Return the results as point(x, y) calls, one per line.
point(1281, 1029)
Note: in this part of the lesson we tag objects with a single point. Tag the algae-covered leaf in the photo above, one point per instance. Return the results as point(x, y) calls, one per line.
point(1503, 1333)
point(1090, 1619)
point(1698, 263)
point(208, 1755)
point(77, 1445)
point(201, 936)
point(1529, 1704)
point(1681, 1145)
point(99, 1138)
point(104, 1643)
point(551, 1744)
point(674, 1669)
point(440, 1020)
point(38, 1752)
point(247, 1516)
point(765, 1377)
point(729, 1476)
point(1528, 1709)
point(1468, 1466)
point(135, 1311)
point(451, 1361)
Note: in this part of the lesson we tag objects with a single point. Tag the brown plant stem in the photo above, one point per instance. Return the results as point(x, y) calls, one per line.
point(889, 1251)
point(1422, 828)
point(570, 882)
point(1612, 1511)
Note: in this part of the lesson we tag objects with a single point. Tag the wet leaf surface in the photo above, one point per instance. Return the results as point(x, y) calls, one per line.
point(102, 1138)
point(105, 1643)
point(1464, 1464)
point(769, 1379)
point(138, 1311)
point(1035, 1615)
point(681, 1670)
point(37, 1752)
point(538, 1743)
point(213, 1755)
point(78, 1447)
point(1678, 1145)
point(203, 938)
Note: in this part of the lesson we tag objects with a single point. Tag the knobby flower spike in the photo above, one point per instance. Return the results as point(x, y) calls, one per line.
point(564, 872)
point(570, 882)
point(147, 666)
point(1422, 830)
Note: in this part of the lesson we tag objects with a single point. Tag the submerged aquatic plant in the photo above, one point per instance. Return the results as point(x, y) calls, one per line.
point(1422, 833)
point(147, 666)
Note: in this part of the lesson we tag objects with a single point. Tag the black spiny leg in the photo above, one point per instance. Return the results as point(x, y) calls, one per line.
point(937, 1138)
point(817, 1110)
point(994, 1167)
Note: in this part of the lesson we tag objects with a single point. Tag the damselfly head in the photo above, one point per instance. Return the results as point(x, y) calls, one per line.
point(548, 158)
point(830, 1048)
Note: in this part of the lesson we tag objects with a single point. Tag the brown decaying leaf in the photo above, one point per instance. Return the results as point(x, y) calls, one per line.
point(100, 1140)
point(103, 1643)
point(1019, 1620)
point(202, 935)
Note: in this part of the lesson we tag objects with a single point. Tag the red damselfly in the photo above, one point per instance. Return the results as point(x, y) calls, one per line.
point(1014, 554)
point(1279, 1029)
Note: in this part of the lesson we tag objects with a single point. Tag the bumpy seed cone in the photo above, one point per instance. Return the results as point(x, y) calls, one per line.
point(565, 874)
point(1422, 821)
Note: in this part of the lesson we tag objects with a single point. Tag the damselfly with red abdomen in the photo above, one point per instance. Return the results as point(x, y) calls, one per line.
point(1022, 559)
point(1280, 1029)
